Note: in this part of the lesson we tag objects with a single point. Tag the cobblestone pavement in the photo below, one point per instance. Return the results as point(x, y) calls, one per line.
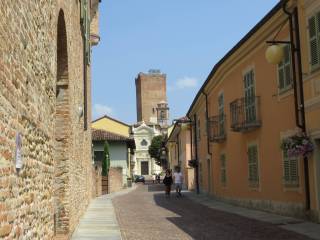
point(146, 214)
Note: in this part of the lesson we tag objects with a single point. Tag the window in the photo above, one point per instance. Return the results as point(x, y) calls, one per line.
point(144, 142)
point(221, 114)
point(314, 40)
point(205, 123)
point(198, 130)
point(223, 170)
point(162, 115)
point(249, 97)
point(253, 165)
point(290, 171)
point(98, 156)
point(284, 70)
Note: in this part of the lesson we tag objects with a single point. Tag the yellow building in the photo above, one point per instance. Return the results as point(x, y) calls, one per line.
point(246, 109)
point(111, 125)
point(178, 145)
point(111, 128)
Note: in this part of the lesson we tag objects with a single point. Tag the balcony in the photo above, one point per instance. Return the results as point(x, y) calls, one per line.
point(245, 114)
point(216, 125)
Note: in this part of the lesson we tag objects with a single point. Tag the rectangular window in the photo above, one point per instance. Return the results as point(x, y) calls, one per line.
point(221, 114)
point(249, 97)
point(223, 169)
point(253, 166)
point(290, 171)
point(284, 70)
point(198, 130)
point(314, 40)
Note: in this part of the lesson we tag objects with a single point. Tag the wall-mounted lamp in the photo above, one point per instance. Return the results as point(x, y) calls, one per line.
point(274, 54)
point(80, 111)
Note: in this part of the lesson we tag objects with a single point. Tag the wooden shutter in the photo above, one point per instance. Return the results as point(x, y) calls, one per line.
point(314, 48)
point(223, 168)
point(253, 164)
point(294, 170)
point(284, 70)
point(286, 168)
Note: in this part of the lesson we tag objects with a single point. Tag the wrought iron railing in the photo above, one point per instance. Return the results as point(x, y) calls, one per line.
point(245, 114)
point(216, 126)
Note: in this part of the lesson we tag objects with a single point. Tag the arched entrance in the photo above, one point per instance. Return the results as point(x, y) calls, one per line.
point(62, 132)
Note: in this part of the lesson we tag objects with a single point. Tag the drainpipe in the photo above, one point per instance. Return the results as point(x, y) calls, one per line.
point(196, 154)
point(298, 90)
point(208, 139)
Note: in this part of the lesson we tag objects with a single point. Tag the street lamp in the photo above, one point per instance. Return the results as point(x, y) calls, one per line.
point(274, 54)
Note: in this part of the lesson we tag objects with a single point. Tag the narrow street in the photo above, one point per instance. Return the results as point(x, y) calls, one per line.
point(146, 213)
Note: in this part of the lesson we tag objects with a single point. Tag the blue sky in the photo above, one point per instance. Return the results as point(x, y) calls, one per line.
point(182, 38)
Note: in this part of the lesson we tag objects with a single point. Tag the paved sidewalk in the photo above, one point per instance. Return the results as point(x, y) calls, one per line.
point(100, 222)
point(301, 226)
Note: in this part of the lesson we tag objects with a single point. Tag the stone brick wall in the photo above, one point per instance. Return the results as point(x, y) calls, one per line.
point(54, 186)
point(96, 181)
point(115, 179)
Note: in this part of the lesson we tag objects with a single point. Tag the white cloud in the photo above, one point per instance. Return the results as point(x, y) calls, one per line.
point(187, 82)
point(100, 110)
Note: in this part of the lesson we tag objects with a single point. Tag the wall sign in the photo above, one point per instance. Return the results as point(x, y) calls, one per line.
point(18, 155)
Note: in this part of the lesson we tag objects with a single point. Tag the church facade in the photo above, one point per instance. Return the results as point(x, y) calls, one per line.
point(144, 164)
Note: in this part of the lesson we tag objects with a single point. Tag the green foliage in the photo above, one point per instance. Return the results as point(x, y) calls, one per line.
point(155, 148)
point(106, 160)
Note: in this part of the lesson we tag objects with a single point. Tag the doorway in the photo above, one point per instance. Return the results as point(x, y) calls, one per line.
point(62, 128)
point(145, 168)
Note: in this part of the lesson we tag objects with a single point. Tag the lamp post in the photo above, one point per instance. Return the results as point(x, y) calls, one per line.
point(274, 54)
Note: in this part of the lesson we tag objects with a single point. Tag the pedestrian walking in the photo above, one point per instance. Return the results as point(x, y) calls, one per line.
point(158, 178)
point(178, 180)
point(167, 181)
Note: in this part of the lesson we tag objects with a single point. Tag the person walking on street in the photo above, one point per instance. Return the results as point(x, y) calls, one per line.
point(167, 181)
point(178, 180)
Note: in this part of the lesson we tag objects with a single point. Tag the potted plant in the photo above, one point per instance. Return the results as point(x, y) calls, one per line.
point(297, 145)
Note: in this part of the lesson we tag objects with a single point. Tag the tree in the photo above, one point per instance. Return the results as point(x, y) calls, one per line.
point(155, 148)
point(106, 159)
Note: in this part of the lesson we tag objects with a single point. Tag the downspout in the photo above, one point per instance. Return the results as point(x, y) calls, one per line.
point(196, 153)
point(208, 141)
point(299, 102)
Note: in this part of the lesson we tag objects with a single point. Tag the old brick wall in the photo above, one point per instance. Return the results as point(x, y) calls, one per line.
point(56, 179)
point(115, 179)
point(96, 181)
point(150, 90)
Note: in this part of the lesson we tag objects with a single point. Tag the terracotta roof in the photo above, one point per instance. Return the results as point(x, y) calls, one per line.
point(98, 134)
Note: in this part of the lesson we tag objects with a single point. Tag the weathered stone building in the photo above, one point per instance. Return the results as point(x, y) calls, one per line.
point(44, 116)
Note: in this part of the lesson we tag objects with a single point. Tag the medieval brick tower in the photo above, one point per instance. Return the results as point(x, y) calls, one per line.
point(151, 97)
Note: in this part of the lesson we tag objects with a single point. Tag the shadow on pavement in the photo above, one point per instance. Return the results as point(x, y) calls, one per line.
point(202, 222)
point(155, 187)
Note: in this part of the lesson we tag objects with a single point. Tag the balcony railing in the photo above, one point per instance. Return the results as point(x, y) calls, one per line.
point(245, 114)
point(216, 125)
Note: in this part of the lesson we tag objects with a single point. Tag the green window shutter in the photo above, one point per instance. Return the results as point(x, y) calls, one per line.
point(314, 48)
point(221, 114)
point(286, 168)
point(290, 170)
point(284, 70)
point(253, 164)
point(294, 170)
point(223, 176)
